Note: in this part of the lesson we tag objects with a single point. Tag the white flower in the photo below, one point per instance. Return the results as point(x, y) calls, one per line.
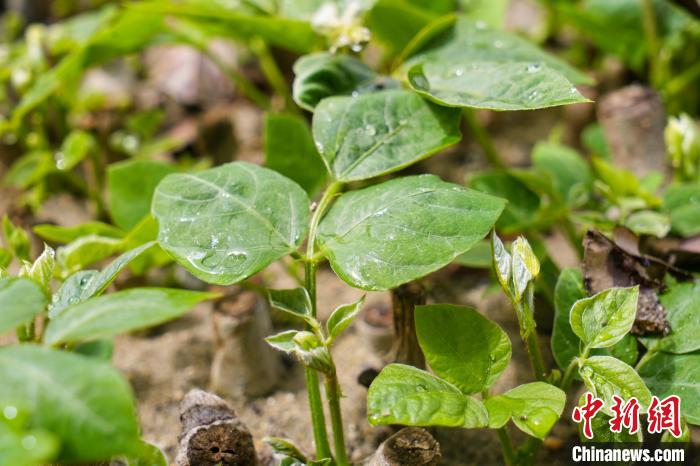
point(343, 29)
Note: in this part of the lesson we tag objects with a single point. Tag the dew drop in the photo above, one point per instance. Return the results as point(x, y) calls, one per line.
point(60, 160)
point(356, 48)
point(73, 300)
point(370, 130)
point(533, 95)
point(214, 241)
point(459, 72)
point(420, 82)
point(421, 388)
point(355, 93)
point(573, 90)
point(319, 146)
point(211, 259)
point(533, 67)
point(84, 281)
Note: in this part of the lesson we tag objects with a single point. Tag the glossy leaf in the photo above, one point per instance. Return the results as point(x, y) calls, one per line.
point(375, 134)
point(648, 222)
point(86, 251)
point(43, 268)
point(395, 23)
point(290, 150)
point(67, 234)
point(20, 446)
point(682, 305)
point(670, 374)
point(85, 403)
point(492, 85)
point(120, 312)
point(76, 146)
point(605, 318)
point(295, 302)
point(533, 407)
point(21, 299)
point(606, 376)
point(227, 223)
point(388, 234)
point(524, 266)
point(322, 75)
point(342, 317)
point(130, 187)
point(85, 284)
point(412, 397)
point(466, 42)
point(470, 363)
point(502, 261)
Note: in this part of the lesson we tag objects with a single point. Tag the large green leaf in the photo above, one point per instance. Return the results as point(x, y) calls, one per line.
point(130, 187)
point(533, 407)
point(671, 374)
point(290, 150)
point(605, 318)
point(493, 85)
point(85, 284)
point(466, 42)
point(606, 376)
point(375, 134)
point(226, 223)
point(462, 346)
point(682, 304)
point(412, 397)
point(120, 312)
point(21, 299)
point(388, 234)
point(321, 75)
point(86, 404)
point(682, 202)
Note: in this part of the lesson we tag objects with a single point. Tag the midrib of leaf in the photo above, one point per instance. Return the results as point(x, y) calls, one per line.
point(62, 393)
point(251, 210)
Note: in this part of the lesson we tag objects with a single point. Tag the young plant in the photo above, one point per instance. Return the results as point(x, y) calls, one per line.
point(60, 399)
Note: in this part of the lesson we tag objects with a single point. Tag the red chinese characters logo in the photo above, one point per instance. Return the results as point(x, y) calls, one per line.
point(662, 415)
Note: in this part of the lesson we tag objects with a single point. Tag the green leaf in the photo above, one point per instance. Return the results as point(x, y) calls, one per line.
point(283, 341)
point(21, 299)
point(42, 270)
point(467, 42)
point(470, 363)
point(85, 284)
point(682, 305)
point(120, 312)
point(321, 75)
point(85, 403)
point(16, 239)
point(682, 202)
point(603, 319)
point(30, 169)
point(62, 234)
point(295, 302)
point(342, 317)
point(478, 257)
point(130, 187)
point(86, 251)
point(229, 222)
point(648, 222)
point(290, 150)
point(600, 425)
point(306, 346)
point(148, 455)
point(533, 407)
point(569, 290)
point(285, 447)
point(412, 397)
point(375, 134)
point(20, 446)
point(605, 376)
point(491, 12)
point(569, 172)
point(493, 85)
point(525, 266)
point(396, 22)
point(671, 374)
point(5, 257)
point(502, 261)
point(76, 146)
point(388, 234)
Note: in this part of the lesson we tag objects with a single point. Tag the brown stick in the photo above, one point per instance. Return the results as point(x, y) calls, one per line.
point(212, 434)
point(244, 364)
point(633, 119)
point(410, 446)
point(405, 349)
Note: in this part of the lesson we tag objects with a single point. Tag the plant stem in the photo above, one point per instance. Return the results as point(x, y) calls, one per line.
point(652, 39)
point(333, 396)
point(482, 138)
point(506, 446)
point(528, 332)
point(323, 204)
point(568, 375)
point(273, 74)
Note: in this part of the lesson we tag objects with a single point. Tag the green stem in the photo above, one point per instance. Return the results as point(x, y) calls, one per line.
point(651, 37)
point(568, 375)
point(323, 204)
point(482, 138)
point(273, 74)
point(527, 450)
point(506, 446)
point(333, 396)
point(528, 331)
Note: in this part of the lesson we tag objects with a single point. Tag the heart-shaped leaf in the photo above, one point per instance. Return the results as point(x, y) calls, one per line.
point(462, 346)
point(82, 401)
point(388, 234)
point(120, 312)
point(534, 407)
point(375, 134)
point(21, 299)
point(408, 396)
point(227, 223)
point(605, 318)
